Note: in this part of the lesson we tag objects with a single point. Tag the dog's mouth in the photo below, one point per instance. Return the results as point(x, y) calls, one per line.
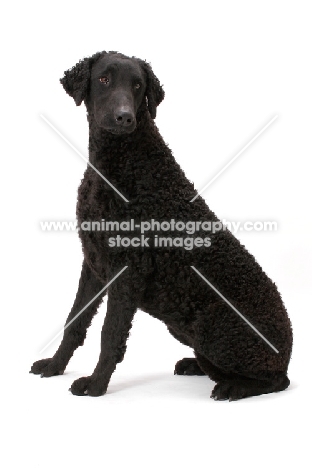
point(120, 130)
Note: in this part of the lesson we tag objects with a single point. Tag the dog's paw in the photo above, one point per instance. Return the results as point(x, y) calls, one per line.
point(46, 368)
point(188, 366)
point(87, 386)
point(229, 390)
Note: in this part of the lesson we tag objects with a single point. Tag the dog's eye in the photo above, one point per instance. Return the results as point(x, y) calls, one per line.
point(137, 86)
point(104, 79)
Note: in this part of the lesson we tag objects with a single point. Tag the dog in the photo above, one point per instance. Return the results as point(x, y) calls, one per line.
point(133, 178)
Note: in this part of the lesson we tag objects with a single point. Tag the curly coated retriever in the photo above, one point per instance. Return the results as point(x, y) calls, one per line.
point(145, 192)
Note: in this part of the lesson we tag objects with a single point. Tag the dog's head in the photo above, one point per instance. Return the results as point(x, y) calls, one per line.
point(113, 88)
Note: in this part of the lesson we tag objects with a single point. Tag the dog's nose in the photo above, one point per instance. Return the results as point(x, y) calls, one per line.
point(124, 118)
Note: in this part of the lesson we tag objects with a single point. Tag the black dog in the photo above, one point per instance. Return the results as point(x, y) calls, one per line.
point(121, 95)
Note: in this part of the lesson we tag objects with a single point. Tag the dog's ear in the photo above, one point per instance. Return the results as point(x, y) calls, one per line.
point(154, 91)
point(76, 80)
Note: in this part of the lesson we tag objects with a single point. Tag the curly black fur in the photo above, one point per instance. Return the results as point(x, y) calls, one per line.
point(126, 147)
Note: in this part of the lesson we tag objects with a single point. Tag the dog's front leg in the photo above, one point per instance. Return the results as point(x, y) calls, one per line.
point(121, 308)
point(77, 324)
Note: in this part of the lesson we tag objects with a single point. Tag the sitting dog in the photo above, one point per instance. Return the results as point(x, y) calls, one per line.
point(143, 182)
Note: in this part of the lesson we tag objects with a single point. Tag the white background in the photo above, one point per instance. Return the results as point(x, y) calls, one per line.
point(227, 69)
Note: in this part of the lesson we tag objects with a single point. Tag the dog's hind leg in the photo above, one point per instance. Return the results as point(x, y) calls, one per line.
point(75, 333)
point(236, 358)
point(200, 366)
point(186, 366)
point(231, 386)
point(213, 372)
point(243, 387)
